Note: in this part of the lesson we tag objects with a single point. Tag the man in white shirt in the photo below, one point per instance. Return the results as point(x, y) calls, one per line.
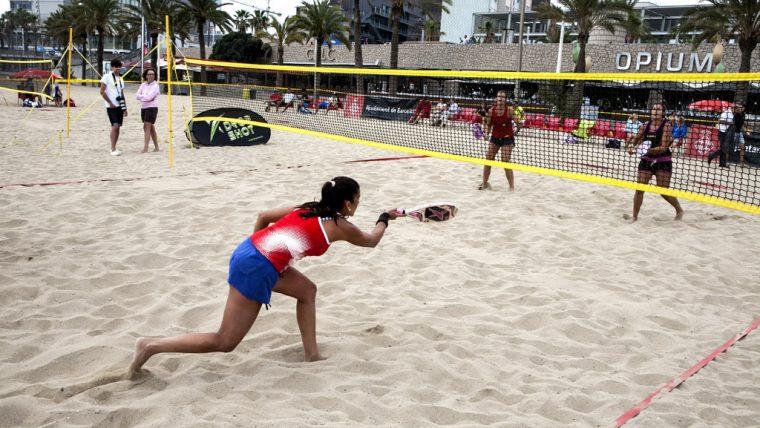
point(112, 91)
point(287, 99)
point(725, 121)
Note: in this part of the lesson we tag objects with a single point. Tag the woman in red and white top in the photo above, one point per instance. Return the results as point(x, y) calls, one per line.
point(499, 126)
point(263, 263)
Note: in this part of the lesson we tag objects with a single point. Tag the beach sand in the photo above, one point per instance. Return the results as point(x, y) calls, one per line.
point(541, 307)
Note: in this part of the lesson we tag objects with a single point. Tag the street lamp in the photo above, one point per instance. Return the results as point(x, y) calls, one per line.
point(561, 40)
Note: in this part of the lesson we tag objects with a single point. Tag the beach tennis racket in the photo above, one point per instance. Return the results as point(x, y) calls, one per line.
point(440, 211)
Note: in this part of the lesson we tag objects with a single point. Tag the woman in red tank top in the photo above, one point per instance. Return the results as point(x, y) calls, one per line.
point(499, 126)
point(263, 262)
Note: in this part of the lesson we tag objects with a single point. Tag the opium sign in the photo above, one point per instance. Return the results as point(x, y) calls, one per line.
point(692, 62)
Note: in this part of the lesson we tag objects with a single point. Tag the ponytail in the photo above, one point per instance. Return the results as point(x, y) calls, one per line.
point(334, 194)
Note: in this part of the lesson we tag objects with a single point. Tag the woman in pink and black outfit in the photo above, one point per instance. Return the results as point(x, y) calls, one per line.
point(147, 95)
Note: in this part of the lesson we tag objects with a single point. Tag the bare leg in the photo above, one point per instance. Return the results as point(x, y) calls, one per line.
point(663, 180)
point(491, 155)
point(154, 136)
point(146, 131)
point(638, 197)
point(114, 136)
point(506, 155)
point(295, 284)
point(239, 315)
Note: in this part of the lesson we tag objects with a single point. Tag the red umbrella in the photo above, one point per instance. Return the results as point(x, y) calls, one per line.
point(710, 105)
point(34, 73)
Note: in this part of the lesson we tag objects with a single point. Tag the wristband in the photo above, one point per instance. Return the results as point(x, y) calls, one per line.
point(384, 217)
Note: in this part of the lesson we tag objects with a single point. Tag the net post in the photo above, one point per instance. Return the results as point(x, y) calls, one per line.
point(169, 90)
point(68, 84)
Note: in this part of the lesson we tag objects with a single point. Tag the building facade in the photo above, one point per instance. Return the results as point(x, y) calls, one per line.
point(376, 19)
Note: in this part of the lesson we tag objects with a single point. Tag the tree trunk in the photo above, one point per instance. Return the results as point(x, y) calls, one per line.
point(396, 12)
point(202, 43)
point(574, 106)
point(84, 63)
point(101, 42)
point(154, 54)
point(742, 89)
point(358, 56)
point(280, 60)
point(317, 76)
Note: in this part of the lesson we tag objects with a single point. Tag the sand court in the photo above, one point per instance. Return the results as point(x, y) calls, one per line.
point(540, 307)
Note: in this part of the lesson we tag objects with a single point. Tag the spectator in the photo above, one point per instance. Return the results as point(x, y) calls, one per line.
point(437, 115)
point(275, 100)
point(422, 111)
point(57, 94)
point(739, 131)
point(453, 112)
point(632, 126)
point(147, 95)
point(679, 132)
point(477, 122)
point(304, 102)
point(288, 99)
point(725, 124)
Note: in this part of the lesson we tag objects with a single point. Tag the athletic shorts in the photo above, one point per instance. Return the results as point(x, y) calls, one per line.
point(324, 104)
point(148, 115)
point(503, 141)
point(115, 116)
point(251, 273)
point(645, 165)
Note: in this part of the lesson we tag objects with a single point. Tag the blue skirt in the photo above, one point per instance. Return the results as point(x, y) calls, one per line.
point(251, 273)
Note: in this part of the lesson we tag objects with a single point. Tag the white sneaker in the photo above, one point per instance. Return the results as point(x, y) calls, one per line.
point(115, 153)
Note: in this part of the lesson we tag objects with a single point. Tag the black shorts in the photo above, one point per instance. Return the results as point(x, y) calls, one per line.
point(503, 141)
point(645, 165)
point(115, 116)
point(148, 115)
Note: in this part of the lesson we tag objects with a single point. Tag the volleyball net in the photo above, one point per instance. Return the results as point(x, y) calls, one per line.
point(577, 126)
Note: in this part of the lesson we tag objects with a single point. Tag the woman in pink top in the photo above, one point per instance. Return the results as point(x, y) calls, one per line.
point(147, 95)
point(263, 263)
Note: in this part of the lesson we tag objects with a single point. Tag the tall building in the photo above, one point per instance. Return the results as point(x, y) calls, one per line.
point(376, 19)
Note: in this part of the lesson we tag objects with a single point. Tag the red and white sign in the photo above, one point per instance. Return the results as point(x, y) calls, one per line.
point(354, 106)
point(701, 140)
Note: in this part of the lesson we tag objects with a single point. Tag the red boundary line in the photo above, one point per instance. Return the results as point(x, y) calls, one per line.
point(386, 159)
point(677, 381)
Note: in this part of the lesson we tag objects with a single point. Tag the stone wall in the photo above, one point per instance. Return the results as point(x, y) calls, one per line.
point(538, 57)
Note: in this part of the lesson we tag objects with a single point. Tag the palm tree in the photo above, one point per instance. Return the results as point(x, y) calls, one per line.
point(285, 33)
point(432, 30)
point(397, 11)
point(202, 12)
point(487, 27)
point(259, 21)
point(587, 16)
point(7, 25)
point(24, 20)
point(358, 54)
point(105, 16)
point(635, 28)
point(67, 16)
point(323, 22)
point(241, 20)
point(154, 12)
point(723, 19)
